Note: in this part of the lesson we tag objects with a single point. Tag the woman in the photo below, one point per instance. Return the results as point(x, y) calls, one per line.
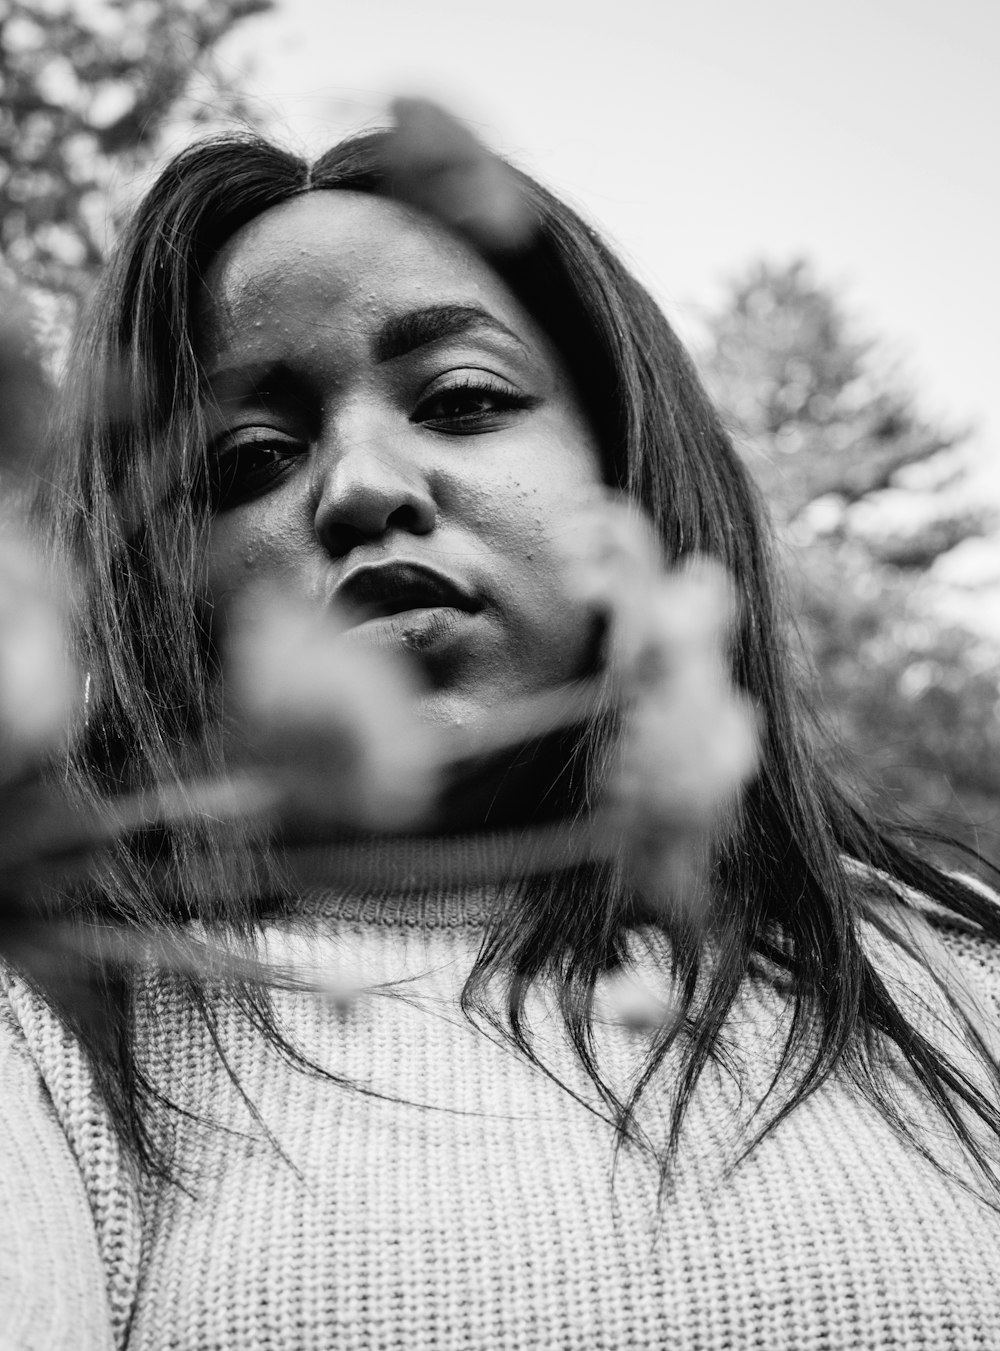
point(291, 376)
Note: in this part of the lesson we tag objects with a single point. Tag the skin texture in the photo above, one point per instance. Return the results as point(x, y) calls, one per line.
point(345, 442)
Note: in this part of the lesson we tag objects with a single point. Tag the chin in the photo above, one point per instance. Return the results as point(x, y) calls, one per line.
point(527, 781)
point(468, 706)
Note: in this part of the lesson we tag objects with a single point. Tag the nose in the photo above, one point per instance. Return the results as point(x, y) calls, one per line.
point(367, 486)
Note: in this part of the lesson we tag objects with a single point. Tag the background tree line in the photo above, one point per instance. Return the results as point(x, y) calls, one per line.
point(866, 491)
point(868, 496)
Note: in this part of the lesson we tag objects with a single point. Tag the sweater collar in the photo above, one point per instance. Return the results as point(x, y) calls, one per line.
point(413, 908)
point(441, 881)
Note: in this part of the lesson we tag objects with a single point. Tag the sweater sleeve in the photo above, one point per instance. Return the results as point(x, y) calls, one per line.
point(53, 1288)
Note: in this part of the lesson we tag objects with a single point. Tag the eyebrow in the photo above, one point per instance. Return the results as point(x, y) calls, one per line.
point(404, 333)
point(274, 377)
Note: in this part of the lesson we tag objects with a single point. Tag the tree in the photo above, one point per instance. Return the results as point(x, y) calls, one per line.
point(84, 100)
point(867, 494)
point(824, 418)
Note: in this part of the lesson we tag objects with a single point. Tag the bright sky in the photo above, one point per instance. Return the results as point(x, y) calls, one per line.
point(701, 133)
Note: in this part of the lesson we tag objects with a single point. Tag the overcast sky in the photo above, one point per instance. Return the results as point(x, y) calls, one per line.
point(701, 133)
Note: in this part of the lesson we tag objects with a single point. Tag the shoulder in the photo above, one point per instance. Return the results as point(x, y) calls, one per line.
point(72, 1196)
point(942, 967)
point(44, 1062)
point(53, 1286)
point(972, 950)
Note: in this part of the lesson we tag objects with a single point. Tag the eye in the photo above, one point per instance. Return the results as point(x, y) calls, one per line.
point(244, 464)
point(473, 404)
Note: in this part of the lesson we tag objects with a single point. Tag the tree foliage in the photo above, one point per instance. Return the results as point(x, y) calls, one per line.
point(867, 493)
point(823, 416)
point(85, 95)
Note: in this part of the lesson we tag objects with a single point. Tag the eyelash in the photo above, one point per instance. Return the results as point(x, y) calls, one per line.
point(503, 397)
point(232, 480)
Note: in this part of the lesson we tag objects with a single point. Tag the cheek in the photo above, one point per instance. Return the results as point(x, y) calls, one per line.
point(244, 551)
point(232, 553)
point(548, 541)
point(535, 511)
point(526, 517)
point(534, 484)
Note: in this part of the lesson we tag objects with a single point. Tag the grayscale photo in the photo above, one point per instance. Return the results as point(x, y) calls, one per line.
point(499, 676)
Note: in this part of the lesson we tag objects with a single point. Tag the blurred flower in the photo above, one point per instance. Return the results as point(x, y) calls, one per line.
point(38, 685)
point(615, 568)
point(632, 999)
point(333, 723)
point(24, 389)
point(437, 164)
point(689, 737)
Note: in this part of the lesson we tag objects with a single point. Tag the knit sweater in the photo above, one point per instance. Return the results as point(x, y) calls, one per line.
point(454, 1195)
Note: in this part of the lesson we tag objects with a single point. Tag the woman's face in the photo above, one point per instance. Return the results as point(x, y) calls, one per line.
point(393, 435)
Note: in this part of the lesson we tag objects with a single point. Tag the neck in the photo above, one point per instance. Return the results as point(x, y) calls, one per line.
point(534, 783)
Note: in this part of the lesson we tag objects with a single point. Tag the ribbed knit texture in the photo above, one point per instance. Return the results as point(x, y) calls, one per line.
point(458, 1197)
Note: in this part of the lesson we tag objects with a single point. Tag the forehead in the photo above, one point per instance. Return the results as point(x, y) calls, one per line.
point(341, 250)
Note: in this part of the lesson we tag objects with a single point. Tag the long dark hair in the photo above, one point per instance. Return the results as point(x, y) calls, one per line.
point(805, 863)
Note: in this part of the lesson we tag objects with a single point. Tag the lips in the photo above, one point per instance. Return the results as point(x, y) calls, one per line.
point(382, 591)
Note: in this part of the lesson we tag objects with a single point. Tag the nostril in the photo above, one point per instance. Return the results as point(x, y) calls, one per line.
point(359, 508)
point(414, 518)
point(340, 534)
point(339, 540)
